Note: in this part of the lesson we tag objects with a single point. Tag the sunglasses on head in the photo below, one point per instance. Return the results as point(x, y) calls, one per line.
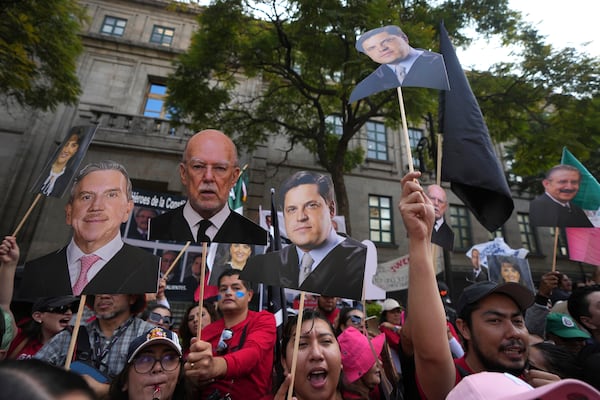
point(60, 309)
point(227, 334)
point(355, 319)
point(157, 318)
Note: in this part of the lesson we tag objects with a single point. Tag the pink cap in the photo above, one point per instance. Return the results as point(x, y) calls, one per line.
point(503, 386)
point(357, 356)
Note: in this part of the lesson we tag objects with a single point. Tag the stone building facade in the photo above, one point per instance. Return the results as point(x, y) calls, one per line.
point(129, 50)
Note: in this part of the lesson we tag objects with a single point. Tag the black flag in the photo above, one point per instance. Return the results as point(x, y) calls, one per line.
point(276, 295)
point(469, 162)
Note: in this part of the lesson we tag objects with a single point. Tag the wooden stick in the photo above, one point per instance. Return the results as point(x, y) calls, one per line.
point(406, 140)
point(201, 283)
point(187, 244)
point(75, 332)
point(27, 214)
point(556, 232)
point(296, 345)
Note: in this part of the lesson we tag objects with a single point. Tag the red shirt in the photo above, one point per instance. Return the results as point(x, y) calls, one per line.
point(249, 368)
point(31, 347)
point(392, 338)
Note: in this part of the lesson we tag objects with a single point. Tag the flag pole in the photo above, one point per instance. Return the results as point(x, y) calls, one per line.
point(406, 140)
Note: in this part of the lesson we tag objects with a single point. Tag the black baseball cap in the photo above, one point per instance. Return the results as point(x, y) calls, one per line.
point(45, 303)
point(477, 291)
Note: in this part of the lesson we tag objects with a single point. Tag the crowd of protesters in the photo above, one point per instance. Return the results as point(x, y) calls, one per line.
point(127, 349)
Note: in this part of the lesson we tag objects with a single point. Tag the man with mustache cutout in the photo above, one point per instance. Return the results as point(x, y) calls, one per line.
point(442, 234)
point(208, 170)
point(554, 207)
point(96, 260)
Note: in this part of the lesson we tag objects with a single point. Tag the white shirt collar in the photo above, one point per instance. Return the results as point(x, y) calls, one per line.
point(193, 218)
point(558, 202)
point(407, 62)
point(319, 253)
point(438, 223)
point(105, 253)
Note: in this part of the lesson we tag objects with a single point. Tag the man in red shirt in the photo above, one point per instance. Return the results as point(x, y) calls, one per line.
point(235, 353)
point(327, 307)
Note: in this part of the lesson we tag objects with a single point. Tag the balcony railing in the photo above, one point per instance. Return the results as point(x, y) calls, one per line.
point(138, 124)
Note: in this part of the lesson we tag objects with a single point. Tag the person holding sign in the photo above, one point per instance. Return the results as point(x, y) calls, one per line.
point(402, 65)
point(96, 260)
point(319, 260)
point(208, 170)
point(235, 353)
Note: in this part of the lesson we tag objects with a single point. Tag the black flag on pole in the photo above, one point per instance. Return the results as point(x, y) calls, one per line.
point(469, 162)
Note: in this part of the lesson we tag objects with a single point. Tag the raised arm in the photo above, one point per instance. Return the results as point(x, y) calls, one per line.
point(426, 317)
point(9, 257)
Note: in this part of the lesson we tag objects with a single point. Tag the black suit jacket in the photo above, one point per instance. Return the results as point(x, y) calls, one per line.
point(130, 271)
point(172, 226)
point(341, 273)
point(483, 275)
point(543, 211)
point(443, 237)
point(427, 71)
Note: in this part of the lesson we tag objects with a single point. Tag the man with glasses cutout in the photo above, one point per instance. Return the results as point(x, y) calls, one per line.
point(234, 358)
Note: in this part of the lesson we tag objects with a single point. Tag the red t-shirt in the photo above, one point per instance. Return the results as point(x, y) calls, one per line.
point(249, 368)
point(28, 351)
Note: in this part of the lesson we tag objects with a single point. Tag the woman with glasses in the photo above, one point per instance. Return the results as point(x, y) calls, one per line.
point(350, 316)
point(159, 315)
point(49, 316)
point(153, 369)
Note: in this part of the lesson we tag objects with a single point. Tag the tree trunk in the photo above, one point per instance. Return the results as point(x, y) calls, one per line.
point(341, 195)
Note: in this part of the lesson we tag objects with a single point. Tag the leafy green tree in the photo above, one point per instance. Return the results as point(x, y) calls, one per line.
point(302, 54)
point(39, 46)
point(544, 101)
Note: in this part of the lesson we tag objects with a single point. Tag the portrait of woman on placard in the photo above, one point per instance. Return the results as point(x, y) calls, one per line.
point(58, 173)
point(236, 258)
point(505, 269)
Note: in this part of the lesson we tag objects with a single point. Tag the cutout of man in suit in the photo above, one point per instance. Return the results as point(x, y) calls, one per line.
point(208, 170)
point(402, 65)
point(555, 207)
point(100, 201)
point(337, 263)
point(442, 234)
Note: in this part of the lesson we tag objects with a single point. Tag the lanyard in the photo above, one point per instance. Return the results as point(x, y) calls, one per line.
point(100, 354)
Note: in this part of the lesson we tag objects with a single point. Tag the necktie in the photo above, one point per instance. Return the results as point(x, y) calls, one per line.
point(86, 264)
point(305, 264)
point(202, 227)
point(400, 73)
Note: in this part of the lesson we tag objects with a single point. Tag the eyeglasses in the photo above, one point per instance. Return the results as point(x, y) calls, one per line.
point(227, 334)
point(144, 363)
point(355, 319)
point(156, 318)
point(59, 310)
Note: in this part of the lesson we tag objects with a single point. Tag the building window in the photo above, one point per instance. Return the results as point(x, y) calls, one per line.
point(461, 225)
point(414, 136)
point(380, 219)
point(162, 35)
point(113, 26)
point(155, 101)
point(376, 141)
point(334, 125)
point(498, 233)
point(527, 232)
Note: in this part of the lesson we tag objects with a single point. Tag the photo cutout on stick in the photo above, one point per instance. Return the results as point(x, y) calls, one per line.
point(503, 269)
point(401, 64)
point(318, 260)
point(555, 207)
point(64, 162)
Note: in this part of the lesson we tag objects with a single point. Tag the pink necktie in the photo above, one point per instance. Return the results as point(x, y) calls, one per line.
point(86, 264)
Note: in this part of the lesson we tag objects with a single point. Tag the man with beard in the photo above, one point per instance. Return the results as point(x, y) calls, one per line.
point(490, 316)
point(108, 337)
point(555, 206)
point(208, 170)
